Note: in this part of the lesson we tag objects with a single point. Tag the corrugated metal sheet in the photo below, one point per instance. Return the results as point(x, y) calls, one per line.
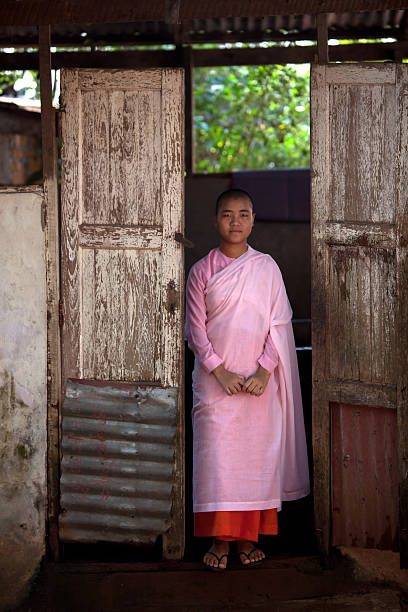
point(118, 445)
point(388, 23)
point(364, 476)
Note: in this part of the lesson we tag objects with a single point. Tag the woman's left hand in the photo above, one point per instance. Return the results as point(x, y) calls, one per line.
point(256, 384)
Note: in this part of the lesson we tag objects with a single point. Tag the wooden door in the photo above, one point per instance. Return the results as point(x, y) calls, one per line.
point(359, 312)
point(122, 269)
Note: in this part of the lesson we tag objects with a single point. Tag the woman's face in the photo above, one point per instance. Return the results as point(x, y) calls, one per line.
point(235, 220)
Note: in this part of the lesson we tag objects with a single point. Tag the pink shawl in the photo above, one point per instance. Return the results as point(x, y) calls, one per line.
point(249, 452)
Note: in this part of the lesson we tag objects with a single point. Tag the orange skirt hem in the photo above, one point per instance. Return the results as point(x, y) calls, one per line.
point(236, 525)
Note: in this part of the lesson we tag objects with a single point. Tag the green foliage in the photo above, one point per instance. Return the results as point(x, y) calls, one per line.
point(251, 117)
point(8, 79)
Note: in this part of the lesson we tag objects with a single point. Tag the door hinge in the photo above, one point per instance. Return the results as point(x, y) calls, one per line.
point(179, 237)
point(61, 313)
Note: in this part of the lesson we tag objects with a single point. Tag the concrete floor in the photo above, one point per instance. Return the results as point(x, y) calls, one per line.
point(281, 584)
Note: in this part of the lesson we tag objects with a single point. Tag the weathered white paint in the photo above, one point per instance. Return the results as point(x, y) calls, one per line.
point(23, 404)
point(122, 206)
point(359, 279)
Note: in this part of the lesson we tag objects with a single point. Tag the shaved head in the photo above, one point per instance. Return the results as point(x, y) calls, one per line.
point(232, 194)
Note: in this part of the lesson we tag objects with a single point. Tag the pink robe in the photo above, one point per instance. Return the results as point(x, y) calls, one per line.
point(249, 452)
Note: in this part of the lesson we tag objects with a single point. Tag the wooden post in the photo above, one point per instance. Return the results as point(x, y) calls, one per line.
point(322, 39)
point(402, 315)
point(50, 183)
point(189, 110)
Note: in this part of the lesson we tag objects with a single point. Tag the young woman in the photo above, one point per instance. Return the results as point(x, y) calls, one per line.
point(249, 439)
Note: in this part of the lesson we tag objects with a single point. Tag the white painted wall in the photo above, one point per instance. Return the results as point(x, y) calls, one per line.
point(23, 399)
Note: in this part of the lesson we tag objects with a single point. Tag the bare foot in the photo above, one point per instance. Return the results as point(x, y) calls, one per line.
point(248, 553)
point(218, 549)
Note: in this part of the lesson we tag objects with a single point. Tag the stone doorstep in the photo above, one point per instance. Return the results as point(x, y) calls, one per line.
point(184, 585)
point(281, 585)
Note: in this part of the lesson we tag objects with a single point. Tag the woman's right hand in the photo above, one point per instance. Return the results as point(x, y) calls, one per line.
point(230, 381)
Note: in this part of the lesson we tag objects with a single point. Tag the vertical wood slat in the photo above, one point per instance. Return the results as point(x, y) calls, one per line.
point(361, 295)
point(121, 286)
point(74, 186)
point(173, 281)
point(362, 119)
point(402, 312)
point(189, 110)
point(321, 417)
point(322, 39)
point(50, 180)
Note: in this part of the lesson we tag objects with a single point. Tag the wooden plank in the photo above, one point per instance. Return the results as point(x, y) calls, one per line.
point(73, 189)
point(321, 416)
point(173, 282)
point(357, 393)
point(111, 237)
point(384, 304)
point(322, 39)
point(50, 180)
point(362, 148)
point(361, 233)
point(189, 110)
point(402, 311)
point(91, 80)
point(120, 285)
point(149, 201)
point(356, 74)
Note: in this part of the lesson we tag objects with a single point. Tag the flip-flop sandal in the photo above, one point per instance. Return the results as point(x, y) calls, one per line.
point(219, 559)
point(248, 556)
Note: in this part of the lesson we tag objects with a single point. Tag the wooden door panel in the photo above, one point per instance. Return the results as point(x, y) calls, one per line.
point(361, 314)
point(122, 269)
point(362, 120)
point(122, 139)
point(365, 476)
point(121, 292)
point(359, 279)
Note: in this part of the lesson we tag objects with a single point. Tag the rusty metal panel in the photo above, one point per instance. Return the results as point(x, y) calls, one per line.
point(118, 443)
point(364, 476)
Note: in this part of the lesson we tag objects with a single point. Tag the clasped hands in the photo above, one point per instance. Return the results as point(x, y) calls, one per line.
point(235, 383)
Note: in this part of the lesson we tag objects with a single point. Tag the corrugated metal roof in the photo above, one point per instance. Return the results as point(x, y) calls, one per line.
point(118, 444)
point(387, 23)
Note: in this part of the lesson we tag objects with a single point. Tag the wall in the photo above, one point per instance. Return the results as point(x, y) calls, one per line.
point(22, 391)
point(20, 143)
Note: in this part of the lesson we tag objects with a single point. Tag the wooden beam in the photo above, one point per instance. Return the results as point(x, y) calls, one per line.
point(369, 52)
point(33, 12)
point(50, 182)
point(189, 110)
point(73, 38)
point(322, 39)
